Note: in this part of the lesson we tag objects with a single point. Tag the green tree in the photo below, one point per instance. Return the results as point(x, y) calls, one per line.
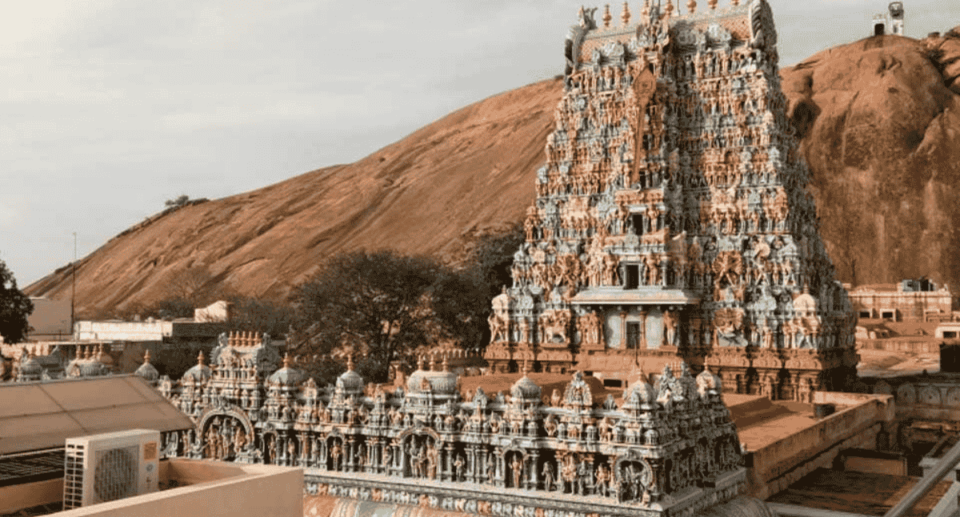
point(382, 305)
point(14, 308)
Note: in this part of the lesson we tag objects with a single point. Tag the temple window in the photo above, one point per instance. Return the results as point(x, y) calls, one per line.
point(632, 280)
point(633, 335)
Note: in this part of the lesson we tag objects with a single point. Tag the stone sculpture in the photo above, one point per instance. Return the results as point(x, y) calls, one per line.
point(672, 179)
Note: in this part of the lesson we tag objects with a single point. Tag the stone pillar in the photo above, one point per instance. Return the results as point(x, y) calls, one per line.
point(532, 464)
point(448, 464)
point(304, 449)
point(589, 484)
point(472, 463)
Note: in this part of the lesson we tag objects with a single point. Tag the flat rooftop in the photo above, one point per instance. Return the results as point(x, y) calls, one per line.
point(857, 492)
point(761, 421)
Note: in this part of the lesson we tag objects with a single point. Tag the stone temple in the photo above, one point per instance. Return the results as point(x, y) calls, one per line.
point(672, 216)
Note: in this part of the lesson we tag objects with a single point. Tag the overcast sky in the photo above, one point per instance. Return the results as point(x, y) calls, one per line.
point(109, 108)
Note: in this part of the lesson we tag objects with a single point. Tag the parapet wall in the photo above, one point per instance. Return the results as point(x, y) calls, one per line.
point(777, 465)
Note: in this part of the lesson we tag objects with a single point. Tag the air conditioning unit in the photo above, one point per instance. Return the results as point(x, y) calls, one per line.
point(111, 466)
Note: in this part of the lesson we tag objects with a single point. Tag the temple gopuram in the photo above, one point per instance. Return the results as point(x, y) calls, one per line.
point(666, 449)
point(672, 216)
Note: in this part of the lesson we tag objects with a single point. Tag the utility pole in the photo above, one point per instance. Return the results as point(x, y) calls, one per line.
point(73, 288)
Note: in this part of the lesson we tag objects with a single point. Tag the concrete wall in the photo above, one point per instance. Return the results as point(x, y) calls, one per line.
point(214, 489)
point(775, 467)
point(122, 330)
point(17, 497)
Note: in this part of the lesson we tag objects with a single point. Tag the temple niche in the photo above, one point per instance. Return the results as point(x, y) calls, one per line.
point(672, 216)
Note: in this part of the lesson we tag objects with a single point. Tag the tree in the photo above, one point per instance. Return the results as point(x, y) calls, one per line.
point(382, 305)
point(258, 315)
point(178, 202)
point(14, 308)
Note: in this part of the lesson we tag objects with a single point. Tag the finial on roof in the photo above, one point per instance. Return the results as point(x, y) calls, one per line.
point(645, 12)
point(350, 362)
point(606, 16)
point(712, 4)
point(433, 363)
point(419, 362)
point(668, 10)
point(735, 2)
point(692, 6)
point(146, 357)
point(625, 15)
point(286, 360)
point(200, 358)
point(446, 363)
point(526, 367)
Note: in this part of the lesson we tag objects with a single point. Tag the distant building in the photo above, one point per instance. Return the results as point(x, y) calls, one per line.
point(910, 300)
point(890, 22)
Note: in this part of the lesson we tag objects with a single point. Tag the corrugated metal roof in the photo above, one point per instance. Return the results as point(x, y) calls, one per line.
point(41, 415)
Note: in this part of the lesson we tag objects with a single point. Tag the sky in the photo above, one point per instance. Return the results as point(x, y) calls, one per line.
point(109, 108)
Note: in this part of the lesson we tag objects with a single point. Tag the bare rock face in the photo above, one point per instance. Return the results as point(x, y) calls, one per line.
point(431, 193)
point(880, 128)
point(946, 50)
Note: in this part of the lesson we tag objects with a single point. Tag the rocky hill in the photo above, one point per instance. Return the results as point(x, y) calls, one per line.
point(880, 127)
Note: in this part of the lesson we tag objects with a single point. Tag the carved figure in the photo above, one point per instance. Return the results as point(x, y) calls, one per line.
point(517, 468)
point(670, 327)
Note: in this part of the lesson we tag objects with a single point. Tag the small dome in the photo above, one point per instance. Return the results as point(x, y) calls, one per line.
point(525, 389)
point(641, 392)
point(200, 372)
point(440, 383)
point(286, 376)
point(805, 303)
point(103, 357)
point(708, 380)
point(147, 370)
point(350, 381)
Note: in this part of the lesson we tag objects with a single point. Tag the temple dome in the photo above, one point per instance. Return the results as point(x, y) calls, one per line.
point(709, 380)
point(199, 372)
point(525, 389)
point(147, 370)
point(92, 368)
point(641, 392)
point(287, 376)
point(440, 383)
point(350, 381)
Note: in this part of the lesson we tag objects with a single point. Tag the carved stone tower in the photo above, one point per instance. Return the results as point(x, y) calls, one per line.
point(672, 216)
